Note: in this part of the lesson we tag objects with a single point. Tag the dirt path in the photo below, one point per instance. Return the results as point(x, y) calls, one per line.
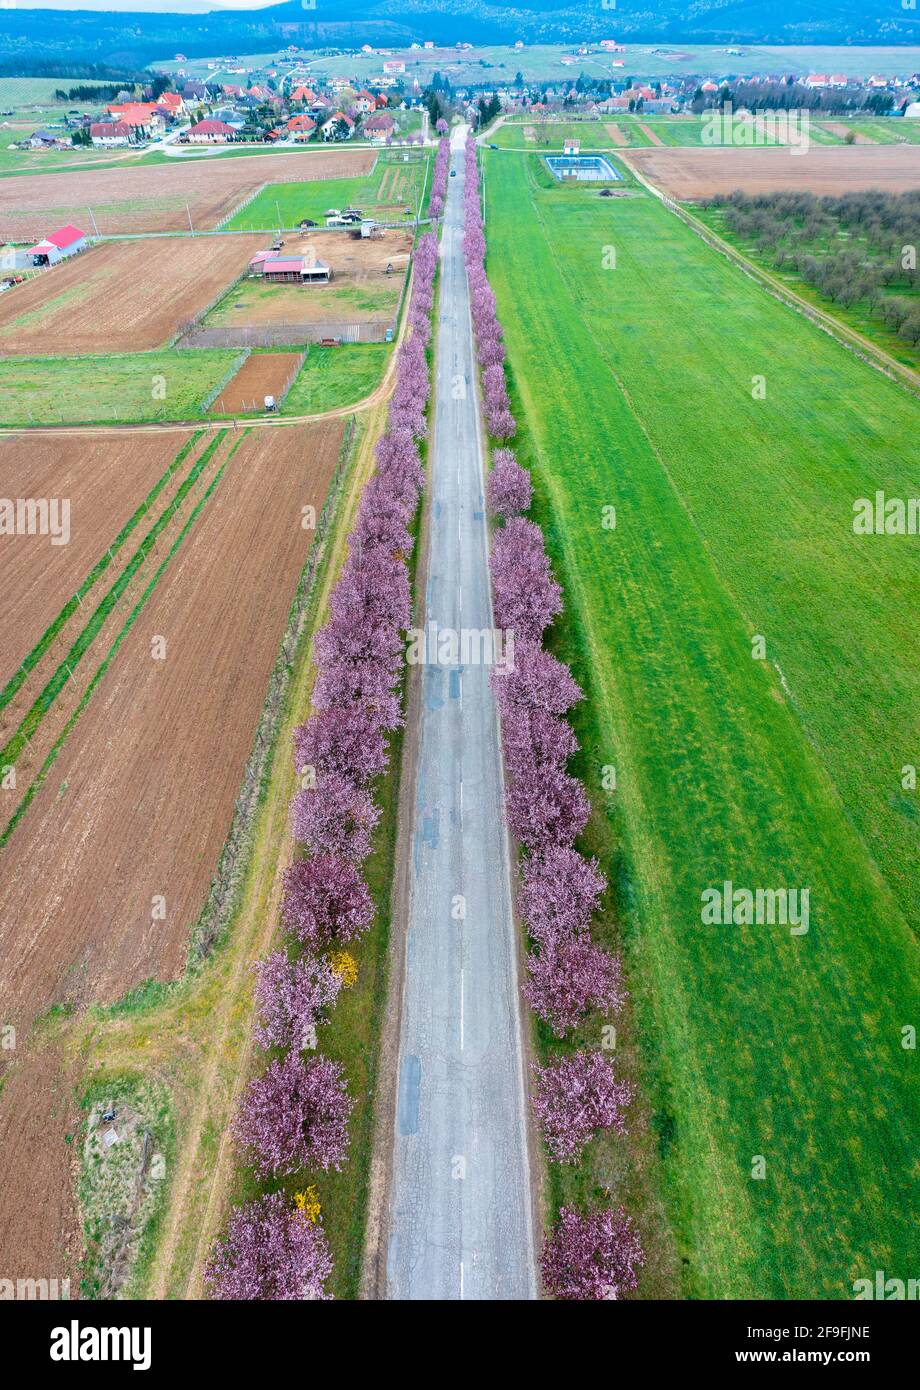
point(616, 134)
point(652, 134)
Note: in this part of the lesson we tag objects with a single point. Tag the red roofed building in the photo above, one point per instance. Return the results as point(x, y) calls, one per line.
point(303, 94)
point(210, 133)
point(56, 246)
point(300, 127)
point(338, 127)
point(364, 102)
point(108, 133)
point(379, 128)
point(171, 102)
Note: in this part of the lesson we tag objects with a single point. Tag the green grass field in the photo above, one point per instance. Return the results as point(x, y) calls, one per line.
point(332, 377)
point(339, 301)
point(102, 390)
point(385, 192)
point(734, 519)
point(856, 316)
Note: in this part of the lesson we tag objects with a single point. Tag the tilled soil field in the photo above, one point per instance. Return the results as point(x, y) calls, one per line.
point(159, 197)
point(832, 169)
point(120, 296)
point(141, 797)
point(263, 374)
point(105, 480)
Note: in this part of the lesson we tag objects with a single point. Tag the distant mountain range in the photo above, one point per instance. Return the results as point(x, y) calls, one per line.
point(131, 39)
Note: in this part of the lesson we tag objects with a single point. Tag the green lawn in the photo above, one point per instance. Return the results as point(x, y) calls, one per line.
point(332, 377)
point(634, 389)
point(339, 301)
point(384, 192)
point(142, 386)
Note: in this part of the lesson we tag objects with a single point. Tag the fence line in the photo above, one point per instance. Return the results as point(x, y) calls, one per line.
point(284, 335)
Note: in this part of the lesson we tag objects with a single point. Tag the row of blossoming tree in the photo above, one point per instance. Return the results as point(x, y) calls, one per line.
point(294, 1115)
point(593, 1254)
point(439, 178)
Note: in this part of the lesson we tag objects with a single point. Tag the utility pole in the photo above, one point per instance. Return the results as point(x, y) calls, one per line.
point(93, 220)
point(188, 213)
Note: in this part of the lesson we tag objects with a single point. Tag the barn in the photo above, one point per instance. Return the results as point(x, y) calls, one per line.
point(66, 241)
point(300, 270)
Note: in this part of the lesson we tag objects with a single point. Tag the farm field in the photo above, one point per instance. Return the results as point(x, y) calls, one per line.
point(141, 386)
point(105, 481)
point(334, 377)
point(383, 192)
point(360, 291)
point(626, 130)
point(160, 197)
point(700, 173)
point(121, 296)
point(777, 772)
point(262, 374)
point(105, 836)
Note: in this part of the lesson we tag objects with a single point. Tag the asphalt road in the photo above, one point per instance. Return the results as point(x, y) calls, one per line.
point(460, 1218)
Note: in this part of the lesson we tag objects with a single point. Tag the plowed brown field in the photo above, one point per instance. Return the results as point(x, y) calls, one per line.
point(140, 802)
point(153, 198)
point(121, 296)
point(263, 374)
point(106, 479)
point(833, 169)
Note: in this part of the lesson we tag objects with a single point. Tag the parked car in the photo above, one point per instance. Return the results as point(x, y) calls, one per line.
point(453, 173)
point(277, 243)
point(333, 212)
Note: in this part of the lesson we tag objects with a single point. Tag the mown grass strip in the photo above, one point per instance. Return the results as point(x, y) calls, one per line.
point(52, 689)
point(113, 650)
point(48, 636)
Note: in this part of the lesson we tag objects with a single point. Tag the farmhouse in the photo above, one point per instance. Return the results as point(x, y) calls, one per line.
point(44, 140)
point(379, 128)
point(66, 241)
point(210, 133)
point(109, 133)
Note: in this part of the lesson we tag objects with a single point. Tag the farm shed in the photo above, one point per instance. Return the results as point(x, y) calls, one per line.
point(66, 241)
point(304, 270)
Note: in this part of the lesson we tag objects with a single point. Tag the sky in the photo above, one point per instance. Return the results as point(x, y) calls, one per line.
point(139, 6)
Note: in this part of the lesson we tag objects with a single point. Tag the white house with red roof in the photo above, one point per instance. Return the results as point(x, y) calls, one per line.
point(172, 103)
point(106, 134)
point(57, 246)
point(338, 127)
point(210, 133)
point(364, 102)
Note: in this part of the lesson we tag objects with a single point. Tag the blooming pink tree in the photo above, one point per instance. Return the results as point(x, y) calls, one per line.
point(568, 976)
point(271, 1252)
point(560, 889)
point(325, 902)
point(510, 490)
point(575, 1098)
point(535, 739)
point(346, 739)
point(295, 1115)
point(292, 997)
point(536, 681)
point(546, 806)
point(591, 1257)
point(335, 817)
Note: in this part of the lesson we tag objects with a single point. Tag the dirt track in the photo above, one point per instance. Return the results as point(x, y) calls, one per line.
point(120, 296)
point(140, 800)
point(834, 169)
point(105, 480)
point(153, 198)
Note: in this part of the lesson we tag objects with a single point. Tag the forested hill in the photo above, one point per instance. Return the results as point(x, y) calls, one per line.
point(130, 39)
